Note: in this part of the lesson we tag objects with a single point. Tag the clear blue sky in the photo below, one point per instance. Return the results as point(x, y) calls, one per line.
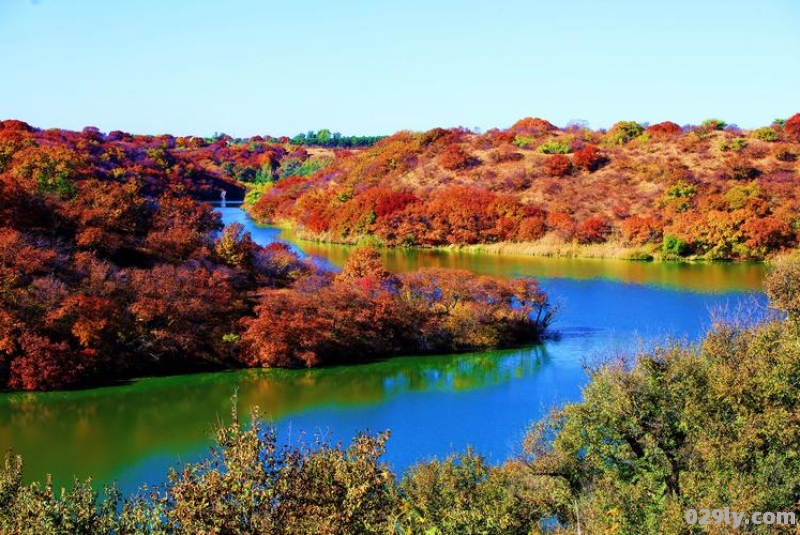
point(247, 67)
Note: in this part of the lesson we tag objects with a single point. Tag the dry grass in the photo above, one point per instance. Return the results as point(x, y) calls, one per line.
point(551, 246)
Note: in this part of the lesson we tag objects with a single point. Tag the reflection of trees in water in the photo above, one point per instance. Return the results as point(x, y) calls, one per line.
point(102, 431)
point(698, 277)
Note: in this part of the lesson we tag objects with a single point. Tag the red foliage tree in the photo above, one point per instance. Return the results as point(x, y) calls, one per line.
point(640, 230)
point(562, 224)
point(593, 230)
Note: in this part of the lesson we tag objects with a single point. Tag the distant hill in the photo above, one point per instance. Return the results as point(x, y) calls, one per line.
point(711, 191)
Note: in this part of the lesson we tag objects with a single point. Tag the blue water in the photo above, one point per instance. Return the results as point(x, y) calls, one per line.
point(433, 405)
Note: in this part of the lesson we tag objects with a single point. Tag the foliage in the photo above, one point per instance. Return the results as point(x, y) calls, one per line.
point(735, 145)
point(558, 165)
point(324, 138)
point(589, 158)
point(553, 147)
point(766, 134)
point(710, 125)
point(368, 312)
point(703, 426)
point(465, 188)
point(111, 267)
point(624, 131)
point(783, 287)
point(665, 129)
point(792, 126)
point(674, 246)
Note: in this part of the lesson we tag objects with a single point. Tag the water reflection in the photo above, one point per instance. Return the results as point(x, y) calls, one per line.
point(697, 277)
point(101, 430)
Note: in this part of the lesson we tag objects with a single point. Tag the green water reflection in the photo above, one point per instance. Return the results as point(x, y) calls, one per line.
point(100, 432)
point(698, 277)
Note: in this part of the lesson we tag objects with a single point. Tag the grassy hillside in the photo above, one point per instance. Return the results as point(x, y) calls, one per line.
point(711, 191)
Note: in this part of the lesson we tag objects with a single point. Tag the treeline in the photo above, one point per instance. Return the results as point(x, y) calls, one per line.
point(710, 191)
point(324, 138)
point(708, 426)
point(110, 268)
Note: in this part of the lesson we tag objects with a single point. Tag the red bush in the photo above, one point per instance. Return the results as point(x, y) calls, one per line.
point(532, 126)
point(665, 129)
point(557, 165)
point(792, 126)
point(589, 158)
point(593, 230)
point(454, 158)
point(640, 230)
point(562, 224)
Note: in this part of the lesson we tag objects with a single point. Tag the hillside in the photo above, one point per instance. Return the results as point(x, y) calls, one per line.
point(711, 191)
point(111, 267)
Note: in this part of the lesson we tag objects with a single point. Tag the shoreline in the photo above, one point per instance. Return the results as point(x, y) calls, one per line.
point(544, 248)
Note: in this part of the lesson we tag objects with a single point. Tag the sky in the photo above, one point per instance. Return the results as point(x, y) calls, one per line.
point(247, 67)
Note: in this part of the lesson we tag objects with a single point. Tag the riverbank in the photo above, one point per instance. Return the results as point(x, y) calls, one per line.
point(548, 247)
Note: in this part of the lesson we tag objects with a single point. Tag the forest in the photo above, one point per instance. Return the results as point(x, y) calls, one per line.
point(710, 191)
point(678, 427)
point(113, 267)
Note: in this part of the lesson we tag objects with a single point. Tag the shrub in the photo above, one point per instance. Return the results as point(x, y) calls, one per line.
point(553, 147)
point(665, 129)
point(792, 126)
point(673, 246)
point(557, 165)
point(525, 142)
point(455, 158)
point(624, 131)
point(532, 126)
point(766, 134)
point(640, 230)
point(589, 158)
point(740, 169)
point(783, 287)
point(736, 145)
point(710, 125)
point(593, 230)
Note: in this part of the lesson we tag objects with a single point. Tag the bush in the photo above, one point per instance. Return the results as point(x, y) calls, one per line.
point(766, 134)
point(589, 158)
point(736, 145)
point(792, 126)
point(710, 125)
point(454, 158)
point(557, 165)
point(553, 147)
point(783, 287)
point(665, 129)
point(624, 131)
point(673, 246)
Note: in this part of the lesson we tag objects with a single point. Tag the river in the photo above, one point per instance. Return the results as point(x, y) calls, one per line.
point(433, 405)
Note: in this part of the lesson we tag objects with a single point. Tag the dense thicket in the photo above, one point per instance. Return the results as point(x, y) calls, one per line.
point(708, 426)
point(111, 268)
point(711, 191)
